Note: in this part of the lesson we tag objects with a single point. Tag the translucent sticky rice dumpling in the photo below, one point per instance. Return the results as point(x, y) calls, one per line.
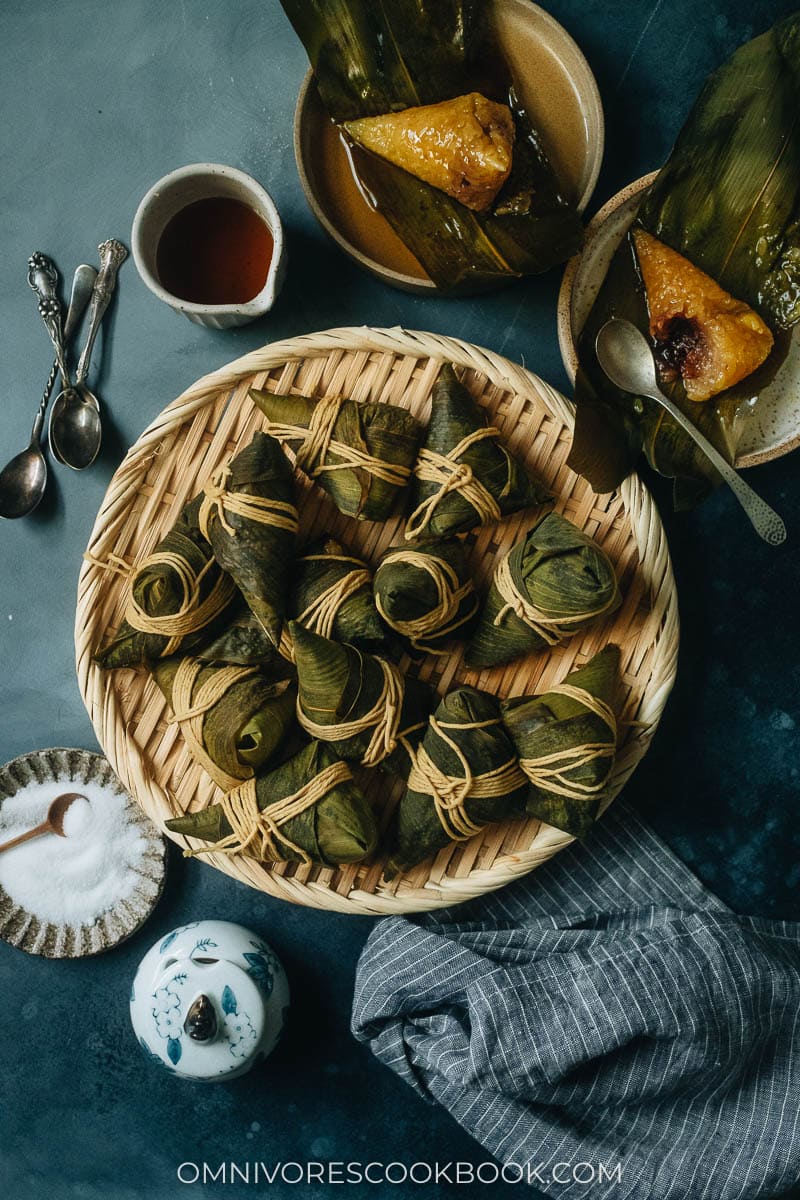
point(359, 703)
point(465, 476)
point(178, 598)
point(424, 592)
point(234, 719)
point(702, 333)
point(307, 810)
point(465, 775)
point(553, 582)
point(361, 454)
point(462, 146)
point(566, 741)
point(331, 595)
point(248, 515)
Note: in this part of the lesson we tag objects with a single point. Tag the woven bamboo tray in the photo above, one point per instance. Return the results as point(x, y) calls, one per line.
point(212, 420)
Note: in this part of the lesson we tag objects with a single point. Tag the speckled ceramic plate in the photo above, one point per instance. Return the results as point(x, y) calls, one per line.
point(771, 428)
point(35, 935)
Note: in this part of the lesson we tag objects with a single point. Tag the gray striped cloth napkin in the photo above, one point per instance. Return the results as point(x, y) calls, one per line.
point(607, 1009)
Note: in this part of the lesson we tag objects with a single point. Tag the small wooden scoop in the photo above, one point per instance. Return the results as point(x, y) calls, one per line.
point(53, 822)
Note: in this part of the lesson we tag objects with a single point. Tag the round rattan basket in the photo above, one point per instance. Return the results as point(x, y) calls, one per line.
point(212, 420)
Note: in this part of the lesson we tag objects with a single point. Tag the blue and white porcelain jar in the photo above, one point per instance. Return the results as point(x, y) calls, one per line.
point(209, 1001)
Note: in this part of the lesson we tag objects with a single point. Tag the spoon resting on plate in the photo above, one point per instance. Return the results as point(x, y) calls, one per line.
point(625, 355)
point(75, 430)
point(53, 822)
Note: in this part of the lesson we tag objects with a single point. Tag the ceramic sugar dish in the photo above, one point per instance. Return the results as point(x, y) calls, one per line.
point(209, 1001)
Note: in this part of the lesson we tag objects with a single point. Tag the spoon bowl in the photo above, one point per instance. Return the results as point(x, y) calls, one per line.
point(75, 428)
point(53, 822)
point(22, 482)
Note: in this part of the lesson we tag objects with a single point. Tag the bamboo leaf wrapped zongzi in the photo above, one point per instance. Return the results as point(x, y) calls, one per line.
point(248, 514)
point(307, 810)
point(331, 595)
point(465, 775)
point(425, 594)
point(234, 719)
point(710, 271)
point(178, 597)
point(553, 582)
point(566, 741)
point(359, 703)
point(465, 476)
point(361, 454)
point(244, 641)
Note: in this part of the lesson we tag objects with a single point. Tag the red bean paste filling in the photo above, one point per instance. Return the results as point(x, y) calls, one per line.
point(679, 347)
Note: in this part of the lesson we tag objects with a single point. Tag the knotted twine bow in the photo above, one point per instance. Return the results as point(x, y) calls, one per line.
point(452, 476)
point(218, 500)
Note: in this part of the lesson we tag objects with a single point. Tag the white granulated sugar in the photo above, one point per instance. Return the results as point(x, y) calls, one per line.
point(71, 880)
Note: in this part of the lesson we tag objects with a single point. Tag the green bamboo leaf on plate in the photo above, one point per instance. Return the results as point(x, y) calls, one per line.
point(728, 199)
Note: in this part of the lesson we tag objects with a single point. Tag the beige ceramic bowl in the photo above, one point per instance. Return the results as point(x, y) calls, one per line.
point(556, 86)
point(204, 181)
point(772, 425)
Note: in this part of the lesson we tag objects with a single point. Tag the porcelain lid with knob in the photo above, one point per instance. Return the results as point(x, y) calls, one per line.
point(209, 1000)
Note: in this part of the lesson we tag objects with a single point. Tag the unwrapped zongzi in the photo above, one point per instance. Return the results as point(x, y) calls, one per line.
point(465, 476)
point(362, 704)
point(178, 597)
point(308, 810)
point(465, 775)
point(425, 594)
point(566, 741)
point(361, 454)
point(553, 582)
point(248, 515)
point(234, 718)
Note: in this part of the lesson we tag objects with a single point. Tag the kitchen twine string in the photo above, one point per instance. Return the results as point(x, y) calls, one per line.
point(189, 710)
point(321, 613)
point(551, 772)
point(450, 792)
point(443, 619)
point(217, 499)
point(265, 827)
point(452, 476)
point(551, 630)
point(383, 719)
point(317, 442)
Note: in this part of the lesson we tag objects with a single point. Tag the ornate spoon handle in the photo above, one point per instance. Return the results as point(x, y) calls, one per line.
point(82, 284)
point(112, 256)
point(43, 278)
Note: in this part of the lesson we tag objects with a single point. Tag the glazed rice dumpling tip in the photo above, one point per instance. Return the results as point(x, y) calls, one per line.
point(362, 454)
point(701, 333)
point(567, 741)
point(426, 595)
point(248, 514)
point(308, 810)
point(463, 146)
point(553, 582)
point(464, 476)
point(177, 597)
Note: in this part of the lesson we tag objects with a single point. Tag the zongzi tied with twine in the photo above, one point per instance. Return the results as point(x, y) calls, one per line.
point(247, 513)
point(567, 742)
point(361, 704)
point(308, 810)
point(361, 454)
point(402, 64)
point(426, 595)
point(464, 476)
point(710, 271)
point(331, 595)
point(465, 775)
point(463, 146)
point(553, 582)
point(244, 641)
point(234, 719)
point(178, 597)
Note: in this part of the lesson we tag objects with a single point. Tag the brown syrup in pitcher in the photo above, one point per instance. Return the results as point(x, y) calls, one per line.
point(215, 251)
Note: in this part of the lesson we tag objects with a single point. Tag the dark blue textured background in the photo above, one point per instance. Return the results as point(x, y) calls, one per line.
point(99, 99)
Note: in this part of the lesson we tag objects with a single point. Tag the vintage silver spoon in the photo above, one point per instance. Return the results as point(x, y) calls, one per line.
point(75, 429)
point(53, 822)
point(625, 355)
point(23, 479)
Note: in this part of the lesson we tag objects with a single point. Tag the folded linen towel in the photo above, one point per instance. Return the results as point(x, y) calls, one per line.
point(607, 1009)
